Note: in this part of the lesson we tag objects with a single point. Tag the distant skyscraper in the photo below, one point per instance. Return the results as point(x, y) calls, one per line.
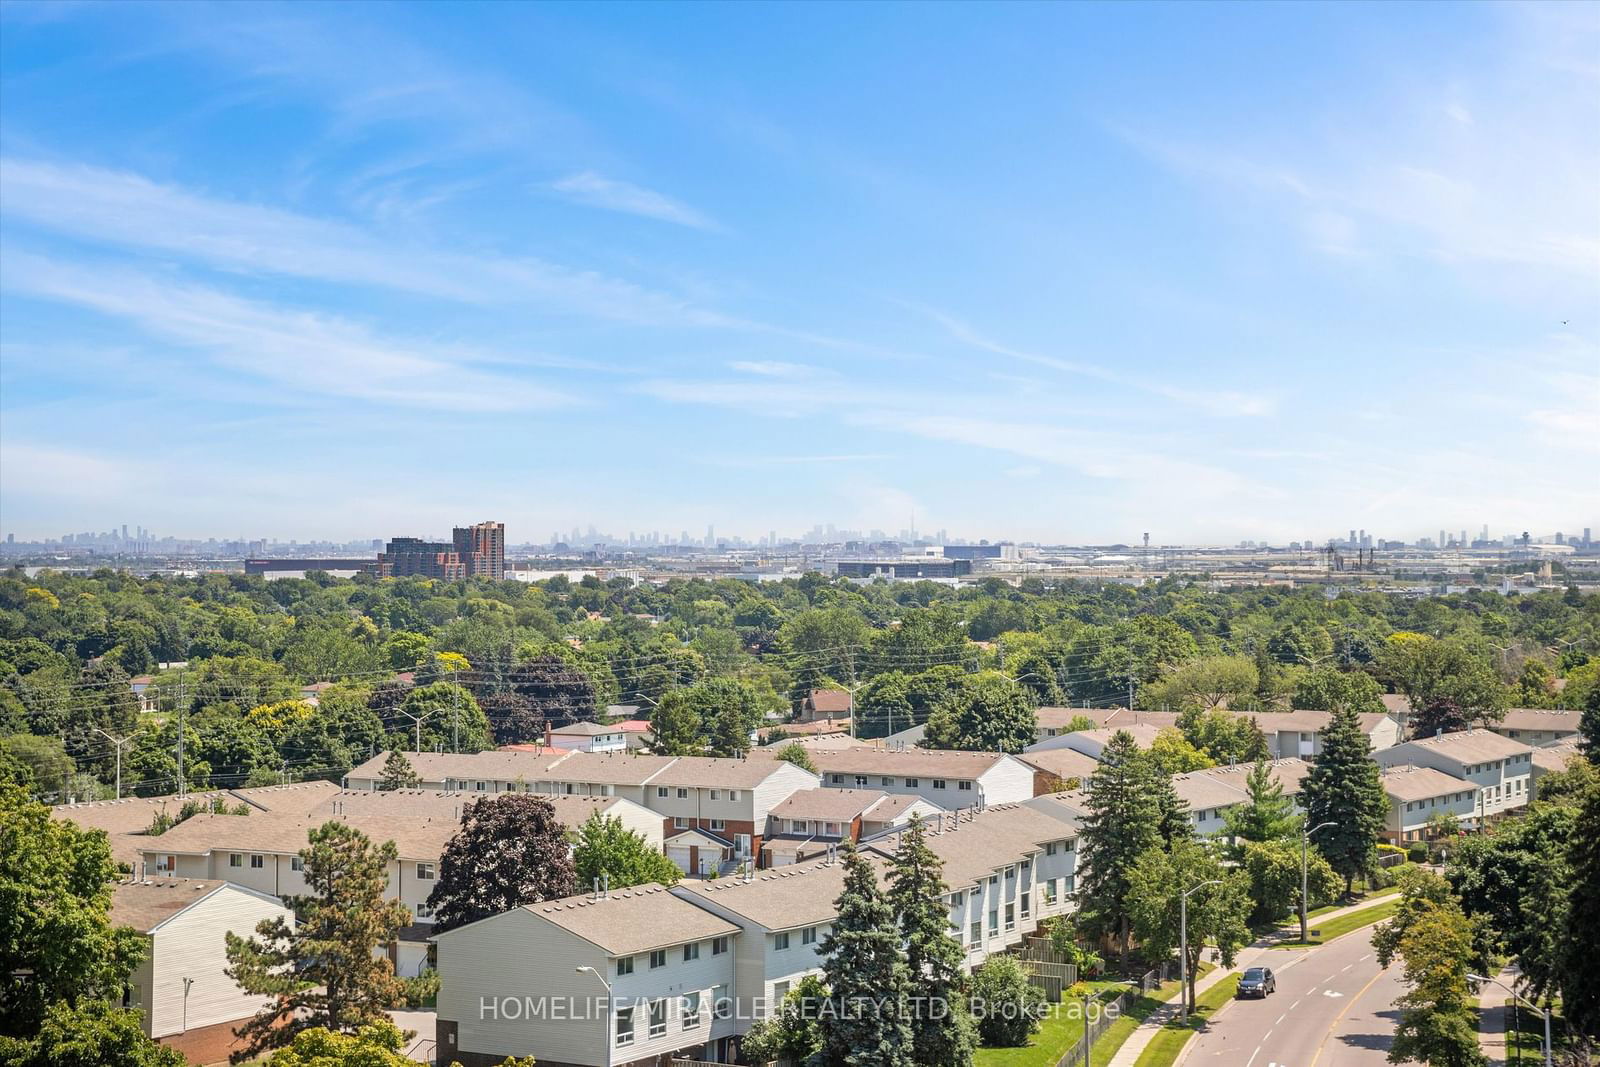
point(1444, 539)
point(711, 536)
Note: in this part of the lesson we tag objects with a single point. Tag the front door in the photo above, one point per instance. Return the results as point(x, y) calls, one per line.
point(741, 845)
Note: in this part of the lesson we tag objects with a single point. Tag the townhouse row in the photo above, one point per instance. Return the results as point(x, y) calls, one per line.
point(633, 976)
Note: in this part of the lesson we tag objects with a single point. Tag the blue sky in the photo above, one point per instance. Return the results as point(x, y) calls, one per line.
point(1063, 272)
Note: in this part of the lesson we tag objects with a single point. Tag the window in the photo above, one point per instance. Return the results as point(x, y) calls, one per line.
point(624, 1026)
point(911, 783)
point(661, 790)
point(425, 872)
point(861, 781)
point(683, 794)
point(964, 785)
point(808, 936)
point(235, 859)
point(680, 823)
point(257, 862)
point(838, 779)
point(994, 879)
point(424, 912)
point(1027, 908)
point(716, 794)
point(733, 794)
point(975, 934)
point(691, 952)
point(1050, 848)
point(938, 783)
point(479, 787)
point(1011, 916)
point(658, 1018)
point(779, 991)
point(1011, 873)
point(799, 826)
point(624, 966)
point(718, 825)
point(780, 941)
point(994, 921)
point(886, 780)
point(1050, 892)
point(957, 899)
point(691, 1006)
point(830, 829)
point(658, 958)
point(296, 863)
point(719, 945)
point(721, 1003)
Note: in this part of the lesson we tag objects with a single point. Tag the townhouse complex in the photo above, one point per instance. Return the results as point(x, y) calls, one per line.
point(691, 967)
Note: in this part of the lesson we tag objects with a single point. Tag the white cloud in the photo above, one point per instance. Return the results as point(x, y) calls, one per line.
point(596, 190)
point(303, 352)
point(120, 208)
point(772, 368)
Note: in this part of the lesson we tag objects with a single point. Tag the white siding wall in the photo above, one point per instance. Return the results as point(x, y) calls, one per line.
point(192, 945)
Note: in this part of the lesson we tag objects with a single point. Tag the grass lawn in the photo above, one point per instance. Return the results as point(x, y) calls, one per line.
point(1361, 899)
point(1137, 1009)
point(1331, 929)
point(1169, 1041)
point(1527, 1041)
point(1057, 1034)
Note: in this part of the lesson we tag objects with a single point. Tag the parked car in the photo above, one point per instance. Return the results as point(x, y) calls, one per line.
point(1257, 982)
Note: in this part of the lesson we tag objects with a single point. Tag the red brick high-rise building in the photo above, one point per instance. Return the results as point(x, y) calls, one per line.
point(404, 556)
point(482, 548)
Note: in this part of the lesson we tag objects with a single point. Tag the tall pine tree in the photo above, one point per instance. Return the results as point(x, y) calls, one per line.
point(1172, 811)
point(323, 971)
point(865, 1022)
point(398, 772)
point(942, 1030)
point(1121, 824)
point(1344, 788)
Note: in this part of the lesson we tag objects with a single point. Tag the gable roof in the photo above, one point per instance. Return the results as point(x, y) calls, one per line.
point(915, 762)
point(778, 898)
point(571, 810)
point(1406, 784)
point(830, 700)
point(438, 766)
point(584, 729)
point(1539, 719)
point(1064, 763)
point(714, 772)
point(416, 838)
point(146, 905)
point(977, 843)
point(630, 921)
point(1467, 746)
point(829, 805)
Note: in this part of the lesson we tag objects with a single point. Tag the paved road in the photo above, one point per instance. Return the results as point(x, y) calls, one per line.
point(1334, 1008)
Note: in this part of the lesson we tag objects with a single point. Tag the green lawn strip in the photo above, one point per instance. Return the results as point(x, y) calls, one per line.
point(1528, 1037)
point(1363, 899)
point(1331, 929)
point(1164, 1048)
point(1136, 1009)
point(1058, 1033)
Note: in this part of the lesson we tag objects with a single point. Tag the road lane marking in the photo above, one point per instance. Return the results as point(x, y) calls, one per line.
point(1253, 1056)
point(1342, 1012)
point(1282, 1017)
point(1365, 958)
point(1295, 1005)
point(1346, 967)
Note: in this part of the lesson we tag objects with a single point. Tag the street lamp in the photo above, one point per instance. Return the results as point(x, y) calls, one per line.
point(1183, 943)
point(606, 1026)
point(1529, 1003)
point(1305, 840)
point(187, 982)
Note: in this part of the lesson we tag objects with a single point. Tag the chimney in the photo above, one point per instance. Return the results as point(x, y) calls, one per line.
point(605, 885)
point(548, 736)
point(594, 892)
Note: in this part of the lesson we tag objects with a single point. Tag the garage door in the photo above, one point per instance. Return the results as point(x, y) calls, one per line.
point(679, 854)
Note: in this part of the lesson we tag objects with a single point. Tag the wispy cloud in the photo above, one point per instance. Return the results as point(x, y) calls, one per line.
point(773, 368)
point(1224, 403)
point(301, 351)
point(121, 208)
point(609, 194)
point(793, 461)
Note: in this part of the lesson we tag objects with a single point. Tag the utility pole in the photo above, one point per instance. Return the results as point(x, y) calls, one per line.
point(182, 781)
point(1130, 692)
point(1305, 839)
point(455, 713)
point(117, 742)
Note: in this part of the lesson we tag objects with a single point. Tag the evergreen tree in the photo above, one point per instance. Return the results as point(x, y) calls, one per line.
point(865, 1024)
point(1589, 724)
point(1172, 811)
point(794, 752)
point(609, 850)
point(511, 850)
point(398, 773)
point(942, 1030)
point(1268, 815)
point(1344, 788)
point(1580, 970)
point(323, 971)
point(1122, 824)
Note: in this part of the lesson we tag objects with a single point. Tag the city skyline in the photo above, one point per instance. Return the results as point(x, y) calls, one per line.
point(1059, 273)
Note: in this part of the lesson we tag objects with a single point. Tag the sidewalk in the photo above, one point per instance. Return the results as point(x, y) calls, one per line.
point(1494, 1017)
point(1248, 956)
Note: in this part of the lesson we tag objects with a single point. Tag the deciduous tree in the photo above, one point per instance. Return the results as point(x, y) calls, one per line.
point(988, 713)
point(1267, 815)
point(1217, 913)
point(510, 850)
point(608, 850)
